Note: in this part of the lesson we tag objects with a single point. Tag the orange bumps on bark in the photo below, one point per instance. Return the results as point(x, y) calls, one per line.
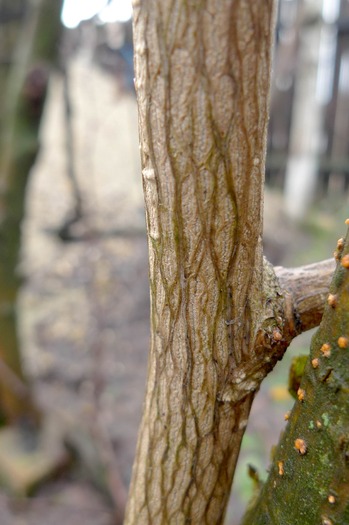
point(340, 243)
point(301, 394)
point(343, 342)
point(345, 261)
point(326, 350)
point(315, 362)
point(332, 300)
point(301, 446)
point(338, 251)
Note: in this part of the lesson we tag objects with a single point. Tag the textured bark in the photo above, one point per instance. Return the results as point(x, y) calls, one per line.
point(202, 80)
point(305, 290)
point(309, 476)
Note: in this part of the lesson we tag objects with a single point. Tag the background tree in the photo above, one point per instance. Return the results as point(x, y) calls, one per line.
point(221, 316)
point(32, 37)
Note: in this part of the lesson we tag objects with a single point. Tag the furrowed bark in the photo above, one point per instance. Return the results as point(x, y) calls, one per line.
point(309, 476)
point(202, 80)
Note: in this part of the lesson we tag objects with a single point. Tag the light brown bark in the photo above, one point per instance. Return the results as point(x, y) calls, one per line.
point(305, 290)
point(202, 79)
point(220, 318)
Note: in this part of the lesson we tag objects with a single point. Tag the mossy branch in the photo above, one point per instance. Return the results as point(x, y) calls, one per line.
point(309, 477)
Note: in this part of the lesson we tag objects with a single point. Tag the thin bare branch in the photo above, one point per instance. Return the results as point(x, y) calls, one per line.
point(305, 290)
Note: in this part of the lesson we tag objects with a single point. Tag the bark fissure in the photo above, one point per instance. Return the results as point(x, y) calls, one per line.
point(199, 171)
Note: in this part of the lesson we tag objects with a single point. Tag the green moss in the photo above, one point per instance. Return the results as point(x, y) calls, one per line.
point(324, 459)
point(300, 495)
point(326, 419)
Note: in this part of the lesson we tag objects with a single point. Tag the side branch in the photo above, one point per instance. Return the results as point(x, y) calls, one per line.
point(305, 290)
point(308, 480)
point(294, 301)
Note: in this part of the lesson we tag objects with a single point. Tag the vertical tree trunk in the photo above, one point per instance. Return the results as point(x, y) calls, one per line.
point(202, 80)
point(307, 115)
point(24, 97)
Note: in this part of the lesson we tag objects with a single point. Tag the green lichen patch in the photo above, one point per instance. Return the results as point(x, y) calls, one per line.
point(312, 487)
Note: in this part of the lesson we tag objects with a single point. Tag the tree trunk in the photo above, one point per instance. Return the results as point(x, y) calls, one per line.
point(202, 80)
point(24, 96)
point(307, 114)
point(221, 316)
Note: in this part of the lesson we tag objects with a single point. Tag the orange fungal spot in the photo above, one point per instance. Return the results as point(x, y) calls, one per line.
point(345, 261)
point(326, 349)
point(332, 300)
point(315, 362)
point(281, 468)
point(343, 342)
point(287, 415)
point(301, 394)
point(340, 243)
point(331, 499)
point(301, 446)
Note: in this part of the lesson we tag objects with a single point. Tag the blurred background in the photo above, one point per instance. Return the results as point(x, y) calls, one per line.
point(75, 313)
